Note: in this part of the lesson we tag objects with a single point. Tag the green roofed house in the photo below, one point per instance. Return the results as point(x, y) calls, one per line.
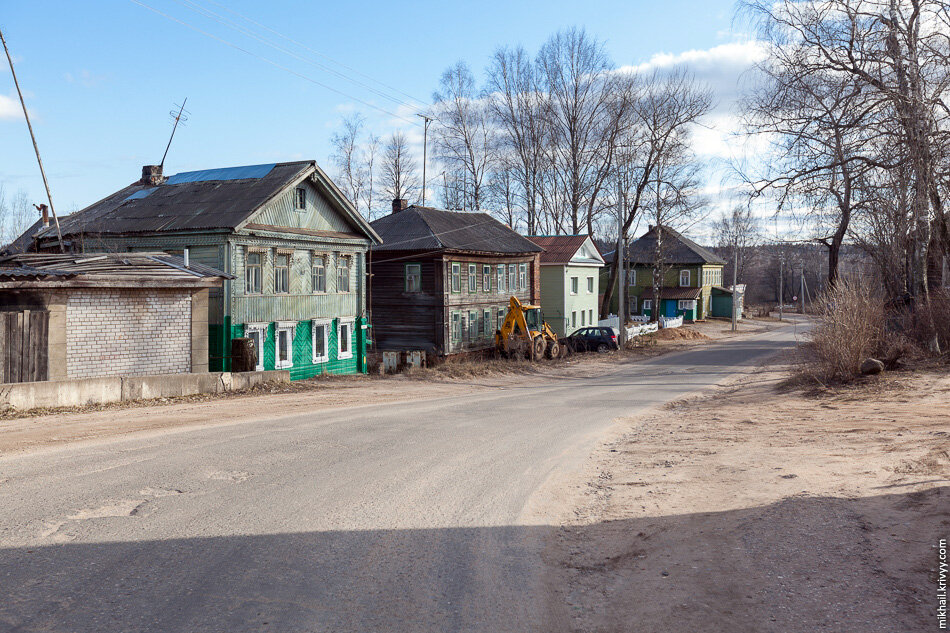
point(692, 278)
point(570, 281)
point(294, 244)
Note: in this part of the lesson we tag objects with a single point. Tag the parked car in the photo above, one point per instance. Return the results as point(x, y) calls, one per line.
point(591, 339)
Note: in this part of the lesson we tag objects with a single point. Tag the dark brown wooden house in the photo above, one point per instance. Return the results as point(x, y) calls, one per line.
point(441, 280)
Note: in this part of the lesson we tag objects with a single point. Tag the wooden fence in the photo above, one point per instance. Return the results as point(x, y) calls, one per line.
point(23, 346)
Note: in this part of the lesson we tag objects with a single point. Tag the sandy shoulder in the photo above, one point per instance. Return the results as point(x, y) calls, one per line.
point(750, 509)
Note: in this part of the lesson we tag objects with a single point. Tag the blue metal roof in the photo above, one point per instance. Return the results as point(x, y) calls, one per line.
point(138, 195)
point(223, 173)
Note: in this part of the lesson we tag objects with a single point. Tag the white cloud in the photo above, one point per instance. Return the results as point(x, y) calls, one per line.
point(10, 108)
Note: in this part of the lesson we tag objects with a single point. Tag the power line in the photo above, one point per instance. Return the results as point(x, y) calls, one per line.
point(217, 17)
point(316, 52)
point(272, 62)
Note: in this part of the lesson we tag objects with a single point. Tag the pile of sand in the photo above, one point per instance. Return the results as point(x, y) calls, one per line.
point(681, 334)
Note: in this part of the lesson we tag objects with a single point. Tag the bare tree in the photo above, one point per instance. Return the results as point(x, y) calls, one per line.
point(351, 175)
point(399, 173)
point(665, 110)
point(738, 234)
point(464, 135)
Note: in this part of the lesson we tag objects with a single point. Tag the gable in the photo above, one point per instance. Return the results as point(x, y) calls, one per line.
point(319, 214)
point(588, 254)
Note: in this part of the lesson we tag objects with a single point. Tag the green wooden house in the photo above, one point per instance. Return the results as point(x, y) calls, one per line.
point(293, 242)
point(692, 278)
point(570, 281)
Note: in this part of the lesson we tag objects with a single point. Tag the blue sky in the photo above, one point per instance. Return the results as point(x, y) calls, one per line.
point(101, 76)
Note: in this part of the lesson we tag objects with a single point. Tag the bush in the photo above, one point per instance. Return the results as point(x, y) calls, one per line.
point(850, 328)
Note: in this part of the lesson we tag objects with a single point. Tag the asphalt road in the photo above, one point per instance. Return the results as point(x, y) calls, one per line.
point(406, 517)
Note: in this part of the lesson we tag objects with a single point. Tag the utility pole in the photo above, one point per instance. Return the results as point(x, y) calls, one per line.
point(621, 295)
point(36, 149)
point(801, 294)
point(781, 288)
point(735, 289)
point(425, 146)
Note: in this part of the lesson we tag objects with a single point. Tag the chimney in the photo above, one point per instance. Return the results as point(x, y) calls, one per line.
point(400, 204)
point(44, 212)
point(152, 175)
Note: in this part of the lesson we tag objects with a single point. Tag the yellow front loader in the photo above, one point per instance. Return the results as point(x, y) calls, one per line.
point(524, 332)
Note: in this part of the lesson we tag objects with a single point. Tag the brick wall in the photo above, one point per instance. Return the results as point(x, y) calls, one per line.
point(127, 332)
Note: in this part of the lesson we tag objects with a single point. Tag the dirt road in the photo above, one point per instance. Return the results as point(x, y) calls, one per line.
point(758, 510)
point(397, 515)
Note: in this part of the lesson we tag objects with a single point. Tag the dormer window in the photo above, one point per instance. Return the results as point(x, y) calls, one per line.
point(301, 198)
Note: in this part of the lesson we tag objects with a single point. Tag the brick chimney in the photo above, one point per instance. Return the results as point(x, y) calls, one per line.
point(44, 213)
point(152, 175)
point(400, 204)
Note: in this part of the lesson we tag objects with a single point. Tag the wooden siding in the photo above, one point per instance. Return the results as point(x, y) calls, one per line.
point(318, 215)
point(24, 346)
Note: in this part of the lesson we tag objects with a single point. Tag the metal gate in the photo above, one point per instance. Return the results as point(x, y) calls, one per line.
point(24, 346)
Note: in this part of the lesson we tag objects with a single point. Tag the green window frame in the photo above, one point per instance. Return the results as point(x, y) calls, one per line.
point(472, 325)
point(456, 276)
point(472, 278)
point(486, 323)
point(412, 278)
point(456, 326)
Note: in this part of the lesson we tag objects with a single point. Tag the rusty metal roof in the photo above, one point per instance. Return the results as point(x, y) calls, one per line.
point(200, 200)
point(426, 229)
point(559, 249)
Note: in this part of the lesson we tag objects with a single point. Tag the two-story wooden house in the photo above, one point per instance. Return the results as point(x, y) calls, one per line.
point(691, 276)
point(441, 280)
point(294, 244)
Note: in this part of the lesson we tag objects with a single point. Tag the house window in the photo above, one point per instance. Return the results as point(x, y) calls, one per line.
point(413, 277)
point(282, 273)
point(573, 285)
point(345, 340)
point(583, 318)
point(502, 315)
point(343, 274)
point(320, 333)
point(522, 276)
point(252, 273)
point(685, 304)
point(472, 277)
point(590, 285)
point(486, 278)
point(486, 323)
point(285, 345)
point(590, 317)
point(647, 305)
point(472, 326)
point(257, 332)
point(318, 272)
point(684, 277)
point(501, 278)
point(512, 278)
point(574, 319)
point(301, 198)
point(456, 277)
point(631, 277)
point(633, 305)
point(456, 326)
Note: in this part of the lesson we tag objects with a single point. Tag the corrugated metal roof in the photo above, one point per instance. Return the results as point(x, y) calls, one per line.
point(203, 200)
point(559, 249)
point(427, 229)
point(29, 272)
point(674, 293)
point(112, 264)
point(676, 248)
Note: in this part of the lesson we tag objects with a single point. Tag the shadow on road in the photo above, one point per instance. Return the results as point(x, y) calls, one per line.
point(802, 564)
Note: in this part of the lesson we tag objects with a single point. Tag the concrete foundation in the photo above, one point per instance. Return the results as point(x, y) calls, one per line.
point(84, 391)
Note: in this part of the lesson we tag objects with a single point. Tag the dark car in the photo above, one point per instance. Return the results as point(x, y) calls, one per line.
point(594, 339)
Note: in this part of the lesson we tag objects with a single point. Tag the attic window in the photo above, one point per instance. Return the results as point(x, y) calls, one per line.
point(301, 198)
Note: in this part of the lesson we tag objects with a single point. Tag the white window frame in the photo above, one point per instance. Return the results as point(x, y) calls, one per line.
point(417, 275)
point(685, 304)
point(583, 318)
point(646, 304)
point(575, 284)
point(349, 338)
point(590, 285)
point(260, 328)
point(289, 267)
point(523, 276)
point(260, 271)
point(574, 319)
point(590, 316)
point(512, 278)
point(500, 274)
point(284, 326)
point(318, 260)
point(343, 263)
point(325, 324)
point(486, 277)
point(685, 273)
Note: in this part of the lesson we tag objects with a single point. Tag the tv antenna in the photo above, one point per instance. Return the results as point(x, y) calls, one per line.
point(178, 115)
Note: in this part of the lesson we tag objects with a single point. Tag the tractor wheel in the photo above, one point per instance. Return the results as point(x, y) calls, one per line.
point(537, 348)
point(554, 349)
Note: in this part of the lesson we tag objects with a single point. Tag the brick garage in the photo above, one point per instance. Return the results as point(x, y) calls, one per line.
point(128, 332)
point(117, 314)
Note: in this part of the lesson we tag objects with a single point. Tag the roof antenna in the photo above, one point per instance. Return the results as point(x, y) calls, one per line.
point(181, 116)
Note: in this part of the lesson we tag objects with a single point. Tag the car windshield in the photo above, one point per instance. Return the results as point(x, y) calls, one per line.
point(533, 318)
